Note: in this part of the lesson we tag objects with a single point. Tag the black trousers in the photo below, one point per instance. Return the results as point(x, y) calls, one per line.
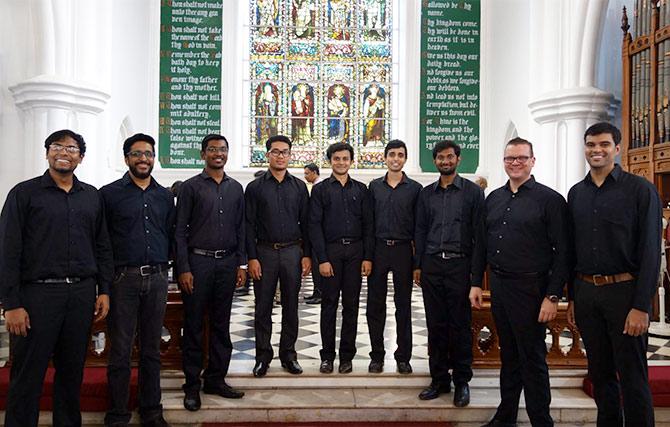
point(316, 278)
point(515, 304)
point(283, 265)
point(60, 323)
point(397, 259)
point(137, 305)
point(213, 287)
point(601, 313)
point(346, 261)
point(445, 285)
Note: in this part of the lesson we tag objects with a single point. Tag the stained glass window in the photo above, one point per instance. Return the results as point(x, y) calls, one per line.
point(320, 72)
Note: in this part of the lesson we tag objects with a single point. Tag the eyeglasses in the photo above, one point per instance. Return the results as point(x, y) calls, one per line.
point(70, 149)
point(280, 153)
point(217, 149)
point(138, 154)
point(521, 159)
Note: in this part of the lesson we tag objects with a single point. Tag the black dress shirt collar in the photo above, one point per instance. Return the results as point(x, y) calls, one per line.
point(529, 184)
point(332, 180)
point(403, 180)
point(127, 180)
point(615, 174)
point(457, 182)
point(205, 175)
point(268, 175)
point(48, 181)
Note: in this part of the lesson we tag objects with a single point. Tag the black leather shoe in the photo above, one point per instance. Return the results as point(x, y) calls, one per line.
point(292, 366)
point(260, 369)
point(462, 395)
point(434, 390)
point(345, 367)
point(326, 367)
point(223, 390)
point(315, 300)
point(376, 367)
point(404, 368)
point(496, 423)
point(192, 400)
point(157, 422)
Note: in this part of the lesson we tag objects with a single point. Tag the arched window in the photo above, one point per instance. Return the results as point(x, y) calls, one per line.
point(320, 71)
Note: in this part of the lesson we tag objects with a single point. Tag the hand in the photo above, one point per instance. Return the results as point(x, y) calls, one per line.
point(417, 277)
point(101, 307)
point(476, 297)
point(366, 268)
point(548, 311)
point(255, 269)
point(306, 264)
point(186, 282)
point(637, 323)
point(326, 269)
point(571, 314)
point(17, 321)
point(241, 277)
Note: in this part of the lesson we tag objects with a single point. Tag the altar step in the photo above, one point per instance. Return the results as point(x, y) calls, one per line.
point(313, 398)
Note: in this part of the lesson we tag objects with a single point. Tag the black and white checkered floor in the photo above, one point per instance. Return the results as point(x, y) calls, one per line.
point(309, 339)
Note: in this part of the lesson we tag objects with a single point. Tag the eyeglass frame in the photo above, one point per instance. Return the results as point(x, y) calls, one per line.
point(522, 160)
point(70, 149)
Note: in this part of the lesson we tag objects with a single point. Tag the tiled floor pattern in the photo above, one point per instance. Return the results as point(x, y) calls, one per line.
point(309, 339)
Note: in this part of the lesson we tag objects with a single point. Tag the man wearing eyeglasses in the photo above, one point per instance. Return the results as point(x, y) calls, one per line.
point(210, 251)
point(527, 251)
point(615, 218)
point(448, 217)
point(341, 226)
point(140, 218)
point(54, 249)
point(277, 205)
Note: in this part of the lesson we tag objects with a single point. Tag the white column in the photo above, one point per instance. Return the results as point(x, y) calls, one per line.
point(564, 100)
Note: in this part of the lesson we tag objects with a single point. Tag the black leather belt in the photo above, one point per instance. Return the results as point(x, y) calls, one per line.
point(393, 242)
point(220, 253)
point(59, 280)
point(345, 241)
point(512, 275)
point(279, 245)
point(449, 255)
point(144, 270)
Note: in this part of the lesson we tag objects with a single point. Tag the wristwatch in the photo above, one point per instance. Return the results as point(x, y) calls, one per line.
point(553, 298)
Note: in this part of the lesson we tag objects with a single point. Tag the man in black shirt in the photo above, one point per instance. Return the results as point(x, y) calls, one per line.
point(342, 233)
point(394, 199)
point(277, 205)
point(140, 217)
point(527, 250)
point(616, 223)
point(54, 249)
point(312, 174)
point(448, 217)
point(210, 250)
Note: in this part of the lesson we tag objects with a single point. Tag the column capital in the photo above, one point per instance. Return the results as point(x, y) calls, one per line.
point(50, 92)
point(575, 103)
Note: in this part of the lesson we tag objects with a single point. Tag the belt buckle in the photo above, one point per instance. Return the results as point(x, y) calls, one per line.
point(69, 280)
point(276, 246)
point(346, 241)
point(444, 255)
point(390, 243)
point(220, 253)
point(145, 270)
point(595, 277)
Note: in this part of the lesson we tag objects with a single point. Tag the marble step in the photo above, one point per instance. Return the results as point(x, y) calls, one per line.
point(239, 375)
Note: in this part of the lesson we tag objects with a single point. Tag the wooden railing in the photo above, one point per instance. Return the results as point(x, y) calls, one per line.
point(486, 350)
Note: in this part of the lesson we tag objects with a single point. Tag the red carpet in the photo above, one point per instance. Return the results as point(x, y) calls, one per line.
point(659, 381)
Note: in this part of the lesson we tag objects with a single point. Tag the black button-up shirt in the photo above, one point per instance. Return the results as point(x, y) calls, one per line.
point(617, 229)
point(394, 207)
point(140, 222)
point(449, 220)
point(340, 211)
point(47, 233)
point(527, 232)
point(210, 216)
point(276, 212)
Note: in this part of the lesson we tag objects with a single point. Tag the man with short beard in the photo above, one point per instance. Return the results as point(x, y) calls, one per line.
point(210, 253)
point(54, 249)
point(278, 249)
point(449, 213)
point(140, 218)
